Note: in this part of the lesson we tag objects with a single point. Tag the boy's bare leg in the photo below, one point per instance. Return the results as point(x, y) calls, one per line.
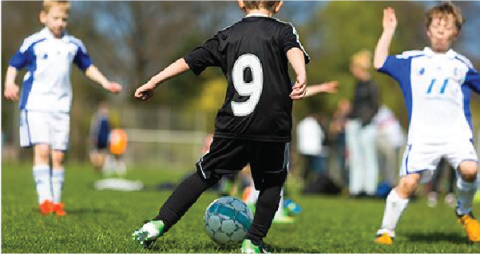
point(396, 203)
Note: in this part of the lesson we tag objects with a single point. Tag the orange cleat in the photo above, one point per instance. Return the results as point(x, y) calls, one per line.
point(384, 239)
point(46, 208)
point(58, 209)
point(471, 226)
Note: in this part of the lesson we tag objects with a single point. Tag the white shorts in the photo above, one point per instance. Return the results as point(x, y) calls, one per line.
point(52, 128)
point(424, 158)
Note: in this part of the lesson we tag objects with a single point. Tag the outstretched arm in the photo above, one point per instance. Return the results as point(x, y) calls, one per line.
point(297, 60)
point(94, 74)
point(11, 88)
point(145, 92)
point(383, 45)
point(328, 87)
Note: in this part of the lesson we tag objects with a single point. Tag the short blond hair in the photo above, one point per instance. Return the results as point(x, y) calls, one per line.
point(255, 5)
point(48, 4)
point(444, 9)
point(362, 59)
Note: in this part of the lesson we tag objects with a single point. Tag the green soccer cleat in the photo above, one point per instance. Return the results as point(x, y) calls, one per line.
point(148, 233)
point(249, 247)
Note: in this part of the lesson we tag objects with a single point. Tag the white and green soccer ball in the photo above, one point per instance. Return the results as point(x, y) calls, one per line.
point(227, 220)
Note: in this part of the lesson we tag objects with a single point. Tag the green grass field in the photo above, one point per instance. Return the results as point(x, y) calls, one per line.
point(102, 221)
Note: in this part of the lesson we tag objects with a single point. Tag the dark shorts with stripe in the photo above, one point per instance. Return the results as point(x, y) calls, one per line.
point(268, 160)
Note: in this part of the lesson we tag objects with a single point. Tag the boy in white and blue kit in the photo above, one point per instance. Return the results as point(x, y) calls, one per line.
point(46, 98)
point(436, 84)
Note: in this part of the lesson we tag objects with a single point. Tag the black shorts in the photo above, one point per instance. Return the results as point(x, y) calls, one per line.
point(230, 156)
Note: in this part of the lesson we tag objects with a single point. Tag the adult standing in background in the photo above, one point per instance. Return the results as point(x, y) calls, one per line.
point(309, 144)
point(360, 130)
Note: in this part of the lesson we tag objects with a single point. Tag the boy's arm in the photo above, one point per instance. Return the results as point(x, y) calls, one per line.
point(145, 92)
point(383, 45)
point(94, 74)
point(328, 87)
point(297, 60)
point(11, 88)
point(473, 79)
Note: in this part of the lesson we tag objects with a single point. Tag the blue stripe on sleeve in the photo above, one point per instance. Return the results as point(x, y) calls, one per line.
point(82, 59)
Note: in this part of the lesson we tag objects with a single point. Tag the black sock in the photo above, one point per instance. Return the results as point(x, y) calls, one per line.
point(266, 207)
point(182, 198)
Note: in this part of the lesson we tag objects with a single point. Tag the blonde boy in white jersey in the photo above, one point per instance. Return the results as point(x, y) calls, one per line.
point(46, 98)
point(436, 84)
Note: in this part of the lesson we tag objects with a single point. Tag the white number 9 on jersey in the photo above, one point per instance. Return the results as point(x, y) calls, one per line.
point(252, 89)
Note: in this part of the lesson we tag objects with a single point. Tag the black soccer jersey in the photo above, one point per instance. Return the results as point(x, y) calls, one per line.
point(252, 55)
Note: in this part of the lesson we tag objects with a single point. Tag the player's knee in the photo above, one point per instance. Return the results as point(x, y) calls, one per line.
point(58, 158)
point(468, 171)
point(42, 154)
point(407, 185)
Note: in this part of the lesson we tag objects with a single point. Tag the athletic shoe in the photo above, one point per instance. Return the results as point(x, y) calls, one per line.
point(249, 248)
point(450, 200)
point(148, 233)
point(46, 208)
point(432, 199)
point(59, 210)
point(384, 239)
point(471, 226)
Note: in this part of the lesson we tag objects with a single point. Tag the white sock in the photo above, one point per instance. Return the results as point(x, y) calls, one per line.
point(58, 177)
point(393, 210)
point(465, 193)
point(41, 175)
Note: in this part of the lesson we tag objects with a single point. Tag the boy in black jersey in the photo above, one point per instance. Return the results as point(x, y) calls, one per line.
point(254, 124)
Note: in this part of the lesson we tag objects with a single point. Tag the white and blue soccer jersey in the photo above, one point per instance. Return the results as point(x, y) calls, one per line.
point(46, 86)
point(436, 88)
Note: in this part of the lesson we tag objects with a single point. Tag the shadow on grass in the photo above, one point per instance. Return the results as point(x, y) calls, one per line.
point(436, 237)
point(172, 245)
point(83, 211)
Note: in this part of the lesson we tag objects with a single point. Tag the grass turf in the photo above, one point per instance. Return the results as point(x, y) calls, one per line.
point(102, 221)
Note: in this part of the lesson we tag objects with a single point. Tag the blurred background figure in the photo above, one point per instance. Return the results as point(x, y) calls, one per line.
point(443, 170)
point(310, 137)
point(99, 131)
point(117, 144)
point(391, 139)
point(361, 132)
point(337, 131)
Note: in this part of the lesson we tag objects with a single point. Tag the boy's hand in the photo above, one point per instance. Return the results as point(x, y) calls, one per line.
point(328, 87)
point(11, 92)
point(113, 87)
point(299, 89)
point(145, 92)
point(389, 20)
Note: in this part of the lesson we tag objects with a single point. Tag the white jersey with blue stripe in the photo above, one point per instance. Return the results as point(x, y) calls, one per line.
point(46, 86)
point(437, 89)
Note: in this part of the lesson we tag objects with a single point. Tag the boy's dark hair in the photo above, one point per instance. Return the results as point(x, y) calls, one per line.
point(444, 9)
point(253, 5)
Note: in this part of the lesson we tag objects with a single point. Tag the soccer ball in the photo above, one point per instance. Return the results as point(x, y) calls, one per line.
point(227, 220)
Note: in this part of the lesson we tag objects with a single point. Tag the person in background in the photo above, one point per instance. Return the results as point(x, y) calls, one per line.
point(337, 131)
point(390, 139)
point(310, 136)
point(117, 144)
point(99, 131)
point(442, 169)
point(361, 131)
